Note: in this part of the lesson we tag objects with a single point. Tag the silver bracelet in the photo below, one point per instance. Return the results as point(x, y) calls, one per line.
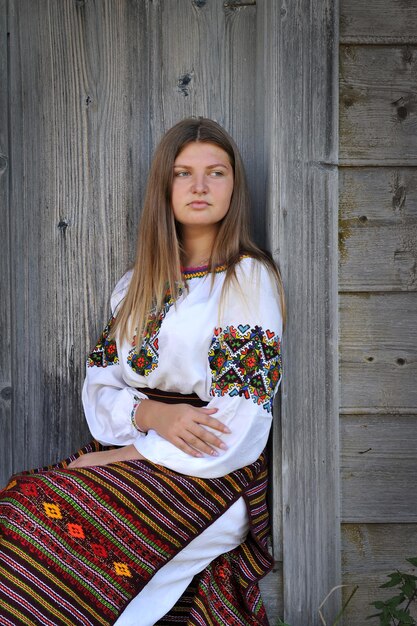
point(136, 403)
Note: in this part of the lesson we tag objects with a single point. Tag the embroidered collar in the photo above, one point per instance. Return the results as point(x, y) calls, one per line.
point(199, 272)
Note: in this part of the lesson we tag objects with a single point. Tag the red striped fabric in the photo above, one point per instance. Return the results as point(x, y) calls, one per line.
point(76, 545)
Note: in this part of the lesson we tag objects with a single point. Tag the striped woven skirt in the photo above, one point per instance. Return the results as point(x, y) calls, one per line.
point(76, 545)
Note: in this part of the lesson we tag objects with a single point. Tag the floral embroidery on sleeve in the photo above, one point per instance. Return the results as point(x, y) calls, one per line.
point(145, 360)
point(245, 361)
point(105, 352)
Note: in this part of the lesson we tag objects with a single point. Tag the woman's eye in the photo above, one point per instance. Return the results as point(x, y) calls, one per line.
point(216, 173)
point(181, 174)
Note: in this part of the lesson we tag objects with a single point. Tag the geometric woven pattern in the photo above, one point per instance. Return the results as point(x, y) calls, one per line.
point(77, 544)
point(246, 362)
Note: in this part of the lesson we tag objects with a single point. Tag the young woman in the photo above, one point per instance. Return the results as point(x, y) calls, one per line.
point(181, 381)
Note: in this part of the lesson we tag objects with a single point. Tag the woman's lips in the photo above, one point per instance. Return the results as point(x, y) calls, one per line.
point(198, 204)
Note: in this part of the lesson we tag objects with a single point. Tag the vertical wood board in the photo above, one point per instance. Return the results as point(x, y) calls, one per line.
point(301, 149)
point(266, 178)
point(203, 57)
point(71, 107)
point(5, 293)
point(271, 590)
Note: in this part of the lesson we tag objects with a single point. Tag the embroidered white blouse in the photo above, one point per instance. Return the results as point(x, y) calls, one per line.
point(228, 354)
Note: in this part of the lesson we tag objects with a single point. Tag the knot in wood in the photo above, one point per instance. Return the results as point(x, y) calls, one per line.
point(399, 197)
point(63, 225)
point(183, 82)
point(6, 393)
point(402, 112)
point(3, 163)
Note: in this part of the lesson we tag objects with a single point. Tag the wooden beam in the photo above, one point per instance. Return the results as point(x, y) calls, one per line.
point(5, 310)
point(300, 130)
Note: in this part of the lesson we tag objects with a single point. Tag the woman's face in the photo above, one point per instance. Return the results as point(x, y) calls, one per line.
point(202, 186)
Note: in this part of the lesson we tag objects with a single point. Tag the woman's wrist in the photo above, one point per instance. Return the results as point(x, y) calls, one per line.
point(142, 416)
point(133, 416)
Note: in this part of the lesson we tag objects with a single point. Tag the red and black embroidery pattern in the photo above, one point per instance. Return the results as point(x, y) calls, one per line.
point(105, 352)
point(245, 361)
point(145, 360)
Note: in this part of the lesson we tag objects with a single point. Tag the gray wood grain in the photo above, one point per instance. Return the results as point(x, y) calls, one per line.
point(212, 73)
point(266, 178)
point(378, 229)
point(271, 590)
point(300, 130)
point(378, 98)
point(378, 21)
point(5, 291)
point(94, 87)
point(369, 553)
point(70, 124)
point(378, 352)
point(379, 468)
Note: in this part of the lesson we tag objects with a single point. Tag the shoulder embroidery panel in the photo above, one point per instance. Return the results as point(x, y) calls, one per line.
point(145, 360)
point(105, 351)
point(247, 362)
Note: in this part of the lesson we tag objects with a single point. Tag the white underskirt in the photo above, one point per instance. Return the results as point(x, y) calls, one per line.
point(168, 584)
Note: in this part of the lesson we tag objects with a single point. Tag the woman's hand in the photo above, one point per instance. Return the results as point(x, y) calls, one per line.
point(183, 425)
point(127, 453)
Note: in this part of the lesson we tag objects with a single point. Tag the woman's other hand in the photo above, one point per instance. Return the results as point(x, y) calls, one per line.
point(183, 425)
point(127, 453)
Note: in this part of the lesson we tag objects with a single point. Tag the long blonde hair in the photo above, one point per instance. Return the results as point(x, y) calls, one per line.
point(157, 267)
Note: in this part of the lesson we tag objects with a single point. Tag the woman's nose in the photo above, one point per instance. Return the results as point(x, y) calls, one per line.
point(199, 184)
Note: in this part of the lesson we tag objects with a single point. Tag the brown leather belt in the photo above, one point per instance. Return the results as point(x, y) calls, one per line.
point(172, 397)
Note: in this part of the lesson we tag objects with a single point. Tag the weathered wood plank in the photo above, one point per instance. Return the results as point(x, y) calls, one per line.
point(218, 84)
point(5, 305)
point(70, 105)
point(369, 553)
point(379, 20)
point(378, 103)
point(378, 229)
point(271, 590)
point(377, 257)
point(379, 468)
point(378, 352)
point(300, 93)
point(266, 187)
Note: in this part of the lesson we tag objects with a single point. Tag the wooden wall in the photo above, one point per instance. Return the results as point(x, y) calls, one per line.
point(377, 294)
point(87, 89)
point(91, 86)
